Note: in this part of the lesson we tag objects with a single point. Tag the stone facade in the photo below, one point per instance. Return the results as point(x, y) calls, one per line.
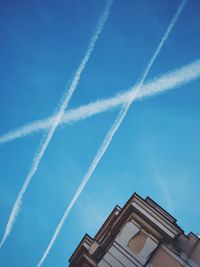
point(139, 234)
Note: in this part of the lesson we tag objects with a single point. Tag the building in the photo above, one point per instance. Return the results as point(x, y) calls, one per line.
point(139, 234)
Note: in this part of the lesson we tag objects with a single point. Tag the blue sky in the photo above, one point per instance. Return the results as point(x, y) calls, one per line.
point(156, 150)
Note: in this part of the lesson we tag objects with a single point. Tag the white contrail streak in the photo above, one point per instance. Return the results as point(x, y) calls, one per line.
point(165, 82)
point(110, 135)
point(56, 120)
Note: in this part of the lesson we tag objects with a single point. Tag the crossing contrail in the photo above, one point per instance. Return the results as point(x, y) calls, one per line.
point(55, 122)
point(165, 82)
point(110, 135)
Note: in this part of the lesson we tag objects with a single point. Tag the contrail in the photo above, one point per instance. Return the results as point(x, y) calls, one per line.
point(56, 120)
point(165, 82)
point(110, 135)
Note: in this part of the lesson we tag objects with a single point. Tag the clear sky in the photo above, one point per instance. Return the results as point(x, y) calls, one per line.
point(156, 151)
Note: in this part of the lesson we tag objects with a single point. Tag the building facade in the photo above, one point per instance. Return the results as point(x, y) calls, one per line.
point(139, 234)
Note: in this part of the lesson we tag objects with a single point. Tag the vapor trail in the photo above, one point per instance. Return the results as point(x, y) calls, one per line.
point(110, 135)
point(165, 82)
point(55, 122)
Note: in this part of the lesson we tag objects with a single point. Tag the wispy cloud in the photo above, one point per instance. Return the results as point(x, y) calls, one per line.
point(111, 133)
point(165, 82)
point(164, 189)
point(55, 122)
